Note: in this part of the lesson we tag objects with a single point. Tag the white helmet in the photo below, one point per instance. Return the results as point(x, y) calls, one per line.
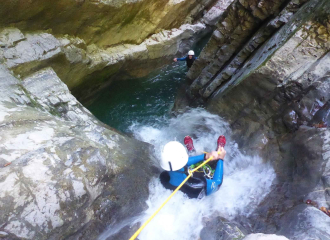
point(174, 156)
point(191, 52)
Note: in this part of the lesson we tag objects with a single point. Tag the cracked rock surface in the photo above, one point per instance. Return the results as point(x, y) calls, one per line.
point(62, 172)
point(271, 83)
point(90, 44)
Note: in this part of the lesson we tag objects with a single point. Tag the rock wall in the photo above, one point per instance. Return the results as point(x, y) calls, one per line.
point(101, 22)
point(238, 24)
point(86, 69)
point(63, 174)
point(89, 44)
point(268, 76)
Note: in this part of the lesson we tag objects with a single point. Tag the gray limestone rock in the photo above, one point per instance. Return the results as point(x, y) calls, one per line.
point(91, 44)
point(220, 229)
point(10, 37)
point(305, 223)
point(260, 236)
point(62, 172)
point(36, 47)
point(87, 69)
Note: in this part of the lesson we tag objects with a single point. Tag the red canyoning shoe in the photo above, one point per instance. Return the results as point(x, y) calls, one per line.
point(188, 142)
point(221, 141)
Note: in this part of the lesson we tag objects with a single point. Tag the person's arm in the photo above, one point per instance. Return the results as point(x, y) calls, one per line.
point(182, 59)
point(215, 156)
point(218, 174)
point(195, 159)
point(213, 185)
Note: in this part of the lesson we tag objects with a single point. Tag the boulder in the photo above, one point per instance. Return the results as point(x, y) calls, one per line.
point(309, 223)
point(260, 236)
point(63, 174)
point(218, 228)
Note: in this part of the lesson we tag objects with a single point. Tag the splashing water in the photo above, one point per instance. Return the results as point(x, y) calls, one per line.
point(201, 125)
point(246, 179)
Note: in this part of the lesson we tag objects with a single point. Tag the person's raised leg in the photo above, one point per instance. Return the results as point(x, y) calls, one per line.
point(188, 142)
point(221, 142)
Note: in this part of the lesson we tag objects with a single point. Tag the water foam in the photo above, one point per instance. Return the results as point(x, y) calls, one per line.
point(246, 179)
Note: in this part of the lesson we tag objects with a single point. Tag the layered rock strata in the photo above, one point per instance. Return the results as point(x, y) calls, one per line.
point(101, 22)
point(239, 22)
point(90, 44)
point(271, 83)
point(87, 68)
point(63, 174)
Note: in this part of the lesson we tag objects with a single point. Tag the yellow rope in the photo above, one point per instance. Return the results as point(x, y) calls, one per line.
point(177, 189)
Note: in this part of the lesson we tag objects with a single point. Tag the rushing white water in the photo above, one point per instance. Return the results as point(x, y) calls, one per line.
point(246, 179)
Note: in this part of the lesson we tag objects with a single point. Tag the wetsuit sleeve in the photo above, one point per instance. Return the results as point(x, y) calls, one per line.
point(195, 159)
point(212, 185)
point(182, 59)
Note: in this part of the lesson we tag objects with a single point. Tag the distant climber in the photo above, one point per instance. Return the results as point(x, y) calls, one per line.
point(175, 162)
point(189, 59)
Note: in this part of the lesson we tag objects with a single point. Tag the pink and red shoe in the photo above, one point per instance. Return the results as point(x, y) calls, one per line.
point(188, 142)
point(221, 141)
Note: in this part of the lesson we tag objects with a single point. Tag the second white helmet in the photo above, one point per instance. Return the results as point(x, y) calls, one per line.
point(174, 156)
point(191, 52)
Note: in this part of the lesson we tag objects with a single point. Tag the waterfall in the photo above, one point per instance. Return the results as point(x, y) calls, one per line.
point(247, 179)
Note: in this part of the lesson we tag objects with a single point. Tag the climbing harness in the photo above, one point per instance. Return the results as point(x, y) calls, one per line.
point(206, 169)
point(174, 192)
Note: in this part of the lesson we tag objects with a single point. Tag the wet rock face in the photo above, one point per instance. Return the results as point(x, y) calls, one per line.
point(282, 90)
point(221, 229)
point(89, 44)
point(63, 174)
point(302, 226)
point(240, 21)
point(88, 68)
point(272, 86)
point(290, 120)
point(260, 236)
point(283, 86)
point(236, 38)
point(218, 228)
point(92, 58)
point(101, 22)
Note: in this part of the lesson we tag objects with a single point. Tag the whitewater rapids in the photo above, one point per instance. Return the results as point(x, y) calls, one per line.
point(247, 179)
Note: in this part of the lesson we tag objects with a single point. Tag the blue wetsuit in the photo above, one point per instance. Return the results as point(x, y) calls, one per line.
point(189, 61)
point(172, 179)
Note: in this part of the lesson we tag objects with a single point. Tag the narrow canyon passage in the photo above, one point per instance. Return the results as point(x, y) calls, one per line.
point(90, 94)
point(141, 107)
point(142, 100)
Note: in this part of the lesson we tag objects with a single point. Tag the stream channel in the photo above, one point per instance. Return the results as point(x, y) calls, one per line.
point(141, 108)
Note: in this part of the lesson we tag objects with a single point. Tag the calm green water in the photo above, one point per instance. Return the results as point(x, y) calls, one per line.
point(143, 100)
point(140, 100)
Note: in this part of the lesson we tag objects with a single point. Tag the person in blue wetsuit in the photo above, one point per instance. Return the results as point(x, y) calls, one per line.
point(189, 59)
point(175, 162)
